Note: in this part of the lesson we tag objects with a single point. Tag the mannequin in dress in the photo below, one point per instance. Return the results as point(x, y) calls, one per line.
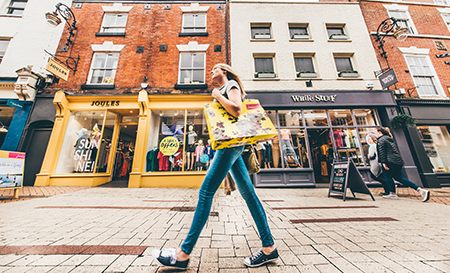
point(198, 152)
point(190, 148)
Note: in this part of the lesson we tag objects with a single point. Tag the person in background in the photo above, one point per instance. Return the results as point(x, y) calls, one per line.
point(392, 162)
point(230, 96)
point(376, 170)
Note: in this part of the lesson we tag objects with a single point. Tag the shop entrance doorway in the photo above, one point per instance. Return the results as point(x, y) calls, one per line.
point(322, 154)
point(123, 159)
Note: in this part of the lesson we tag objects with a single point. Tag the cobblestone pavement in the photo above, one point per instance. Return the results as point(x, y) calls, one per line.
point(114, 230)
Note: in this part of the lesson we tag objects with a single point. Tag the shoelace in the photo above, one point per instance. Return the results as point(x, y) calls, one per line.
point(170, 253)
point(256, 255)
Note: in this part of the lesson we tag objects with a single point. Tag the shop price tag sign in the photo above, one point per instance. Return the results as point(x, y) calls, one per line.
point(11, 169)
point(345, 175)
point(169, 146)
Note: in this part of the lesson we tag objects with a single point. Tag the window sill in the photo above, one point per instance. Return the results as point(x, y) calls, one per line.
point(192, 34)
point(349, 79)
point(308, 78)
point(110, 34)
point(266, 79)
point(98, 86)
point(262, 40)
point(11, 15)
point(339, 41)
point(301, 40)
point(191, 86)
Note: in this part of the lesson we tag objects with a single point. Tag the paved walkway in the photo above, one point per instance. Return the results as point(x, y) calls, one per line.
point(114, 230)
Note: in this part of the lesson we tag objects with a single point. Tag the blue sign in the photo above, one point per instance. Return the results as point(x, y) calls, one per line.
point(204, 158)
point(15, 103)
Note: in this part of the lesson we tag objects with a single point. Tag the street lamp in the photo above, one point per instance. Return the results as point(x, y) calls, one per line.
point(67, 14)
point(385, 27)
point(53, 20)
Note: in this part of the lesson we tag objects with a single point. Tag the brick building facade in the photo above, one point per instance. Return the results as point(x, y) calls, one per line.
point(423, 84)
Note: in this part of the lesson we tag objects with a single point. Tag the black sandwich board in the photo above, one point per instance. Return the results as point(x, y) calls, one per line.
point(345, 175)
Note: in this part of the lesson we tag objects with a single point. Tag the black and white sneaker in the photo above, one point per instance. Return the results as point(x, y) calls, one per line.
point(168, 257)
point(259, 258)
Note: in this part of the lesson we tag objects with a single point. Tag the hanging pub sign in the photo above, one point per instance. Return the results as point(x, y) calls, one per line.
point(388, 78)
point(57, 69)
point(345, 175)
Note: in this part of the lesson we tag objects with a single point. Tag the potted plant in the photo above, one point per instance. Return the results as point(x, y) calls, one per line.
point(296, 36)
point(306, 74)
point(401, 121)
point(265, 74)
point(338, 36)
point(348, 74)
point(262, 36)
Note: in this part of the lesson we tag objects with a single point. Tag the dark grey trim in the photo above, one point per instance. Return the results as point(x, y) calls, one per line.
point(192, 34)
point(98, 86)
point(110, 34)
point(191, 86)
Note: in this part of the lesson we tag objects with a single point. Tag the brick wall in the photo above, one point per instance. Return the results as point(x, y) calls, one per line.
point(147, 28)
point(428, 21)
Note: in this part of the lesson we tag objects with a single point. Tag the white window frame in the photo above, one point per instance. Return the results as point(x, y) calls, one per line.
point(115, 9)
point(105, 48)
point(402, 9)
point(3, 52)
point(445, 13)
point(441, 2)
point(192, 68)
point(192, 48)
point(11, 7)
point(194, 9)
point(120, 28)
point(423, 53)
point(261, 36)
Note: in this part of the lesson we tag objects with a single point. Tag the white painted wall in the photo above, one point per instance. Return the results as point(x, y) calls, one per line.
point(243, 13)
point(30, 35)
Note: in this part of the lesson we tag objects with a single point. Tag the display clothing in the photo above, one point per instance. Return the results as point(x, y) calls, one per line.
point(285, 133)
point(198, 152)
point(276, 151)
point(267, 152)
point(287, 148)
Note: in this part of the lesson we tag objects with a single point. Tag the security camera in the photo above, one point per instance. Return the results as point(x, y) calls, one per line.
point(144, 85)
point(369, 85)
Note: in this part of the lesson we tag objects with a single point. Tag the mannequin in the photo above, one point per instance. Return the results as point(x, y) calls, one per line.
point(198, 152)
point(210, 152)
point(286, 143)
point(190, 148)
point(260, 149)
point(267, 154)
point(276, 151)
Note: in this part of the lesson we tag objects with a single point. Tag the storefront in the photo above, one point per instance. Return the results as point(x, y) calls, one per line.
point(316, 128)
point(430, 139)
point(13, 116)
point(140, 138)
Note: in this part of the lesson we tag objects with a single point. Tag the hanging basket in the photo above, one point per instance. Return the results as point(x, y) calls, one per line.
point(402, 121)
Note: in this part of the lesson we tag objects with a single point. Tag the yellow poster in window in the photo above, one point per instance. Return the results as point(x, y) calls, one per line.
point(169, 146)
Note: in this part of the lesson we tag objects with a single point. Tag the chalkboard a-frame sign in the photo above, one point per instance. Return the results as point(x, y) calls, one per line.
point(345, 175)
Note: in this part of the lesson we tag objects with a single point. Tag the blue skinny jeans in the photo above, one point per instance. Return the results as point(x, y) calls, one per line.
point(395, 171)
point(225, 160)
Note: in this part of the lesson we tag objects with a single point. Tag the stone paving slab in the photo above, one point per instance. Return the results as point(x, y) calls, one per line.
point(418, 241)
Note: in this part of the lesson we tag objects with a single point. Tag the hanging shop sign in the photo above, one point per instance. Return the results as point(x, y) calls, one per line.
point(315, 98)
point(169, 145)
point(11, 169)
point(388, 78)
point(15, 103)
point(57, 69)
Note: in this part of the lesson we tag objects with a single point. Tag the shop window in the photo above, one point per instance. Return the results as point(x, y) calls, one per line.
point(82, 141)
point(3, 46)
point(6, 115)
point(288, 150)
point(366, 117)
point(178, 141)
point(291, 117)
point(316, 117)
point(347, 145)
point(104, 152)
point(16, 7)
point(341, 117)
point(194, 22)
point(103, 68)
point(364, 134)
point(436, 141)
point(192, 68)
point(114, 22)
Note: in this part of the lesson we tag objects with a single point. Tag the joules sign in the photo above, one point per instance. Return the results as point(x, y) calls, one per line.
point(105, 103)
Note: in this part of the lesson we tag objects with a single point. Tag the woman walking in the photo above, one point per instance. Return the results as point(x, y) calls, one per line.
point(392, 162)
point(376, 171)
point(230, 96)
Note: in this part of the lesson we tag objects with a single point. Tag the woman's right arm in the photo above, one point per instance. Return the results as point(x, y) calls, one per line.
point(233, 104)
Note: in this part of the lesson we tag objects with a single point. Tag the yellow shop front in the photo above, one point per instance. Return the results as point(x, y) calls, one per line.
point(150, 140)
